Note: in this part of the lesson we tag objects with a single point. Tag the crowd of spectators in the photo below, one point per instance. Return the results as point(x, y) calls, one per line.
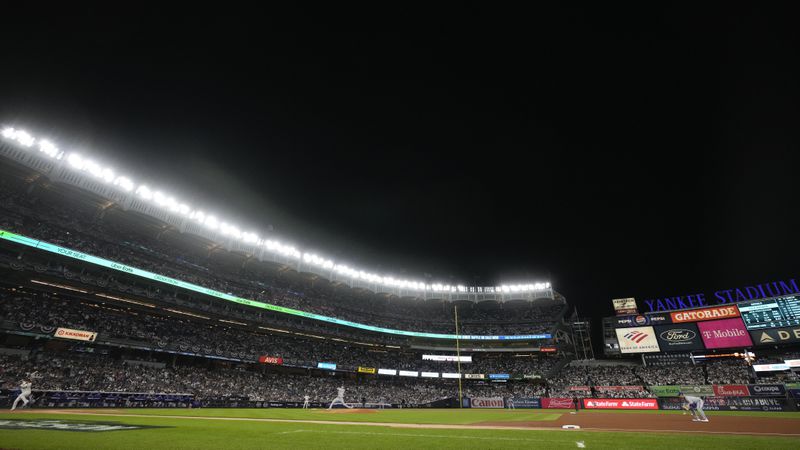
point(98, 373)
point(596, 381)
point(122, 326)
point(111, 236)
point(672, 375)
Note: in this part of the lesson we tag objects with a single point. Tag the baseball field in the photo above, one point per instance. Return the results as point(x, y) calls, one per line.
point(402, 429)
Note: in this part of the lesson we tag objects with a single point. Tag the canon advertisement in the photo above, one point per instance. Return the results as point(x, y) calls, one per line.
point(724, 333)
point(620, 403)
point(488, 402)
point(637, 340)
point(683, 337)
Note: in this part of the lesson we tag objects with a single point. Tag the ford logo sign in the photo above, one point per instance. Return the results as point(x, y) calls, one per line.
point(678, 335)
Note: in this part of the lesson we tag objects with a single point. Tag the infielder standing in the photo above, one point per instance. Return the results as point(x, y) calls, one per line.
point(305, 403)
point(695, 405)
point(339, 398)
point(25, 387)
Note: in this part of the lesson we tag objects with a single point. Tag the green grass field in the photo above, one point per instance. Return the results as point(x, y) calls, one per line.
point(208, 429)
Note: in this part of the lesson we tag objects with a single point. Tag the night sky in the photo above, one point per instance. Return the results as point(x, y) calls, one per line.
point(628, 152)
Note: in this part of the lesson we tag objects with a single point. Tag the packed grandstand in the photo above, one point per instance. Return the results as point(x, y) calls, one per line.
point(76, 310)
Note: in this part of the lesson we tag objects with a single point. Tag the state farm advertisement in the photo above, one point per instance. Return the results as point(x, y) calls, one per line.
point(270, 360)
point(557, 403)
point(620, 403)
point(731, 390)
point(488, 402)
point(714, 313)
point(724, 333)
point(78, 335)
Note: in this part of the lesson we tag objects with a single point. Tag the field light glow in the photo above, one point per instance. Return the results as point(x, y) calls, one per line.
point(168, 202)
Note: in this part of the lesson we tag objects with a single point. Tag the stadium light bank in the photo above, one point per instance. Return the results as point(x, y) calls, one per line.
point(78, 162)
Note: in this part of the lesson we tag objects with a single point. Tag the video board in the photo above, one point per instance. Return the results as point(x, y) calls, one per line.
point(771, 313)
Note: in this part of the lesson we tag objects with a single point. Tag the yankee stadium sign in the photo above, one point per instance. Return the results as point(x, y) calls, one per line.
point(724, 296)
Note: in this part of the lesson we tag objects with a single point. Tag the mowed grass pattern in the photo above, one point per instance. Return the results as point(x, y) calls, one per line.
point(197, 433)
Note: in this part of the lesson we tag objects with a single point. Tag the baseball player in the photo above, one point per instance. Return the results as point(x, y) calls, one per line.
point(510, 403)
point(25, 387)
point(305, 402)
point(695, 406)
point(339, 398)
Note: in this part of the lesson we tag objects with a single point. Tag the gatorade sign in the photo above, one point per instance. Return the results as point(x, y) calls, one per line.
point(697, 315)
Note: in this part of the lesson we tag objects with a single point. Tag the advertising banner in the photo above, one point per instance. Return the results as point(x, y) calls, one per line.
point(637, 340)
point(620, 403)
point(408, 373)
point(488, 402)
point(770, 367)
point(683, 337)
point(665, 391)
point(474, 376)
point(270, 360)
point(767, 390)
point(557, 403)
point(633, 321)
point(697, 315)
point(731, 390)
point(366, 369)
point(792, 362)
point(700, 390)
point(429, 374)
point(658, 318)
point(448, 358)
point(499, 376)
point(618, 388)
point(450, 375)
point(78, 335)
point(548, 349)
point(795, 393)
point(667, 359)
point(534, 403)
point(579, 388)
point(724, 333)
point(730, 404)
point(673, 390)
point(776, 336)
point(328, 366)
point(531, 376)
point(625, 306)
point(387, 371)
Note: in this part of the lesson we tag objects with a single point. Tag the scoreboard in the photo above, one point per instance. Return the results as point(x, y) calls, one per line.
point(771, 313)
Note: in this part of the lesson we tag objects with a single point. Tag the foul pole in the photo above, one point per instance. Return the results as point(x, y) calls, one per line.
point(458, 359)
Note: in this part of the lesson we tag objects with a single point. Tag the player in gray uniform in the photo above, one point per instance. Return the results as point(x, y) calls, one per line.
point(305, 402)
point(695, 405)
point(25, 387)
point(339, 398)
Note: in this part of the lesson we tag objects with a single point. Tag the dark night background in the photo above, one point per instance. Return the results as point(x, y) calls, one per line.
point(615, 152)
